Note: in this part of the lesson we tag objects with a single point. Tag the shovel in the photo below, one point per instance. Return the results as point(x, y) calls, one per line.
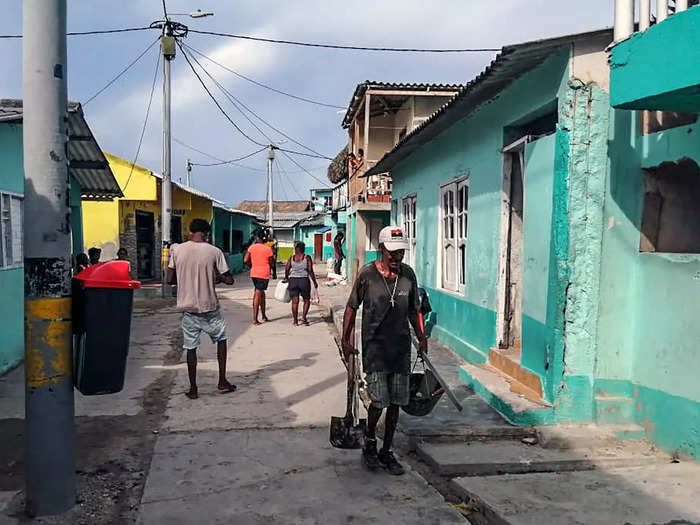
point(348, 431)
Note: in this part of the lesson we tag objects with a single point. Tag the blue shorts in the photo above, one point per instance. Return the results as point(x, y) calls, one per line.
point(193, 324)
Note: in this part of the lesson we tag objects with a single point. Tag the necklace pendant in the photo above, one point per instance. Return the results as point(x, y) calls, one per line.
point(392, 302)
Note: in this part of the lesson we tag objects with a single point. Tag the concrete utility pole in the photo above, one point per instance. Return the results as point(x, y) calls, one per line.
point(270, 158)
point(49, 410)
point(167, 46)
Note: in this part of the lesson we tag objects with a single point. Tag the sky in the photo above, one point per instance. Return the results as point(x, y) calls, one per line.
point(116, 116)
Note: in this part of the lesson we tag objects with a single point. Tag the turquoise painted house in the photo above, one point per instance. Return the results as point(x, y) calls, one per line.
point(559, 239)
point(90, 179)
point(232, 230)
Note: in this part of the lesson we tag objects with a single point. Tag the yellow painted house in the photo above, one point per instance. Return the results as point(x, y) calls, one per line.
point(133, 221)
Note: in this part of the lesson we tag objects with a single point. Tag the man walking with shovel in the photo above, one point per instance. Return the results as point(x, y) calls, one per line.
point(388, 291)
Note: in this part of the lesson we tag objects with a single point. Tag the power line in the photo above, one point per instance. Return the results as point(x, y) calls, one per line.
point(217, 158)
point(131, 64)
point(230, 161)
point(226, 92)
point(187, 59)
point(286, 154)
point(236, 101)
point(231, 99)
point(353, 48)
point(261, 84)
point(145, 122)
point(95, 32)
point(291, 181)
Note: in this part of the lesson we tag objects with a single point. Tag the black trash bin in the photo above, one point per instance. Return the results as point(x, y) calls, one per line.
point(103, 296)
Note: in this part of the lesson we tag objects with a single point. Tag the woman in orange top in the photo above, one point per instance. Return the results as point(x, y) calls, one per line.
point(260, 259)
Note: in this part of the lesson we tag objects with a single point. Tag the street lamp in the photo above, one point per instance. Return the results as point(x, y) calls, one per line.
point(194, 14)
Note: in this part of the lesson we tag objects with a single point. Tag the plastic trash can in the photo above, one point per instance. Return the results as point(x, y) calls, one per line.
point(103, 297)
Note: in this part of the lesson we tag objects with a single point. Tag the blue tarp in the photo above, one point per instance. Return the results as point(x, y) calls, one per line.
point(324, 229)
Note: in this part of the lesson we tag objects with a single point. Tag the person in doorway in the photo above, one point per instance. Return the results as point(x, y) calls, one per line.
point(81, 262)
point(389, 292)
point(261, 261)
point(299, 273)
point(339, 255)
point(94, 255)
point(122, 254)
point(196, 267)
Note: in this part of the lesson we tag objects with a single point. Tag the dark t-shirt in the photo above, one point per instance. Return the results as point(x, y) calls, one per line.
point(386, 336)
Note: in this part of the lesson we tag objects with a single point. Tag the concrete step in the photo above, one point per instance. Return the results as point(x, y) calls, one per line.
point(513, 457)
point(570, 436)
point(659, 493)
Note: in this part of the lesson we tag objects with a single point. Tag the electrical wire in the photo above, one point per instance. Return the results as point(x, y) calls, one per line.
point(290, 179)
point(229, 161)
point(131, 64)
point(260, 84)
point(236, 101)
point(95, 32)
point(145, 122)
point(352, 48)
point(286, 154)
point(187, 59)
point(216, 158)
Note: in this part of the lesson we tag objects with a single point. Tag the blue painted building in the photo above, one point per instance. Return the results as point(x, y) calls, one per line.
point(91, 178)
point(232, 230)
point(559, 239)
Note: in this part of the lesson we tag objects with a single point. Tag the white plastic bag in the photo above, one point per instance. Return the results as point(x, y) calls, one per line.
point(315, 298)
point(282, 292)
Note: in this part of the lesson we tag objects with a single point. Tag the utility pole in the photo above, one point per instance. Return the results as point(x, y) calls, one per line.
point(49, 409)
point(188, 166)
point(167, 46)
point(270, 158)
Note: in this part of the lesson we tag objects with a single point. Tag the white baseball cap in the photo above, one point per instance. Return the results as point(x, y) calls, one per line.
point(393, 238)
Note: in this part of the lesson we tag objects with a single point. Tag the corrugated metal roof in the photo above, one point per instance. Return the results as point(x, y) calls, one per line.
point(189, 189)
point(258, 207)
point(88, 165)
point(287, 219)
point(358, 95)
point(512, 62)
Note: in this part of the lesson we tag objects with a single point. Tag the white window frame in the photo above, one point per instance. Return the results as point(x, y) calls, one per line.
point(11, 217)
point(409, 212)
point(459, 227)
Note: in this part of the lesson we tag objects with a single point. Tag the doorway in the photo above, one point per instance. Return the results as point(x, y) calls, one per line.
point(510, 286)
point(145, 240)
point(318, 247)
point(176, 229)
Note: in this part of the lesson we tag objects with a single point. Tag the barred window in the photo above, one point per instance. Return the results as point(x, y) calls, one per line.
point(11, 231)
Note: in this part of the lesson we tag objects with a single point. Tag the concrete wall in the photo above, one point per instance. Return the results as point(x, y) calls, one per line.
point(654, 295)
point(11, 280)
point(472, 146)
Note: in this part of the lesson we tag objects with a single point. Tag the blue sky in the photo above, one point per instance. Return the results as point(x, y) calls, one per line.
point(116, 116)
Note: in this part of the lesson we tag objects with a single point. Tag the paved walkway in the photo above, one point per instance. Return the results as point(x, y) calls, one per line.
point(261, 455)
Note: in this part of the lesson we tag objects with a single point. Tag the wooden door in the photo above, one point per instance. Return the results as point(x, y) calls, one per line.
point(318, 247)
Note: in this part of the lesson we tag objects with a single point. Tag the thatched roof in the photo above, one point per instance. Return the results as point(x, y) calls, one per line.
point(338, 168)
point(260, 207)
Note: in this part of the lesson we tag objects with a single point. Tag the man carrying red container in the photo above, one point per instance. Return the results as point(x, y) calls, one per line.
point(196, 267)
